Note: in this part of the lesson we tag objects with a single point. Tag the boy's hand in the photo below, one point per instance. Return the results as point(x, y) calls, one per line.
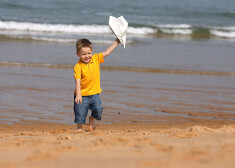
point(118, 42)
point(78, 100)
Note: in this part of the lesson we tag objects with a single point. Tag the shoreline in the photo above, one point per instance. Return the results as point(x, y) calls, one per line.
point(43, 126)
point(121, 68)
point(178, 145)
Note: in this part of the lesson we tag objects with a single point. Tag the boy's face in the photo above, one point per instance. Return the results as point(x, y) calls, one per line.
point(85, 54)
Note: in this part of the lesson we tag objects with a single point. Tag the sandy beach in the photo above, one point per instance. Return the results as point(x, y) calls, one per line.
point(182, 145)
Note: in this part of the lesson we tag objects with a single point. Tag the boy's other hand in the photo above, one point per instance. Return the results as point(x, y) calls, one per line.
point(78, 100)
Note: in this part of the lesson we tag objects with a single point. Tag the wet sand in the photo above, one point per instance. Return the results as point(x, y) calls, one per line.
point(46, 94)
point(182, 145)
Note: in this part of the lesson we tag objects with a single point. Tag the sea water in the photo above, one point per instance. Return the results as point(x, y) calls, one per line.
point(173, 34)
point(151, 17)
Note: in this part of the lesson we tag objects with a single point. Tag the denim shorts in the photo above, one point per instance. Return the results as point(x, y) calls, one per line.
point(93, 103)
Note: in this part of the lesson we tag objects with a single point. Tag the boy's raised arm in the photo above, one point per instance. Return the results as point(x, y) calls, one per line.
point(110, 49)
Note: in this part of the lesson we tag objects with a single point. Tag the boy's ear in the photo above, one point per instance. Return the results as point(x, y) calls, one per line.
point(77, 54)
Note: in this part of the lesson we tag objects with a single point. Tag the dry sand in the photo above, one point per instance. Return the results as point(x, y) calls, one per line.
point(181, 145)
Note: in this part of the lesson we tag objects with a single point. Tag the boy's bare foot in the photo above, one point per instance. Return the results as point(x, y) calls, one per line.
point(92, 124)
point(78, 131)
point(79, 126)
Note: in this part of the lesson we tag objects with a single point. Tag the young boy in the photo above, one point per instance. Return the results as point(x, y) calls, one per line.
point(87, 83)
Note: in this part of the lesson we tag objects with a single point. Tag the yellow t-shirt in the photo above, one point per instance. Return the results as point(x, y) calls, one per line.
point(89, 75)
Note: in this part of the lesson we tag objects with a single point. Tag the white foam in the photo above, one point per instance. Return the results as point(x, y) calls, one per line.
point(141, 31)
point(63, 28)
point(219, 33)
point(53, 28)
point(40, 30)
point(225, 32)
point(184, 29)
point(173, 26)
point(177, 31)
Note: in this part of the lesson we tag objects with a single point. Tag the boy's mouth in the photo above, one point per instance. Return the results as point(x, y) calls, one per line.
point(86, 60)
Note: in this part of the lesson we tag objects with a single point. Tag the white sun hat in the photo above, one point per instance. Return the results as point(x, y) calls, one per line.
point(119, 27)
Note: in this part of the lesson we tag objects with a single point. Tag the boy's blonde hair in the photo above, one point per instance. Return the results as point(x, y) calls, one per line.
point(83, 43)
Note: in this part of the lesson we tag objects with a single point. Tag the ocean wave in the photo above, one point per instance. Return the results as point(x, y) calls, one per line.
point(227, 14)
point(224, 32)
point(61, 32)
point(171, 26)
point(177, 31)
point(117, 68)
point(58, 39)
point(183, 29)
point(53, 28)
point(67, 28)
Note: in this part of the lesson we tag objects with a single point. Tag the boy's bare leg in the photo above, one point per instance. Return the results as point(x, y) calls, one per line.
point(92, 123)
